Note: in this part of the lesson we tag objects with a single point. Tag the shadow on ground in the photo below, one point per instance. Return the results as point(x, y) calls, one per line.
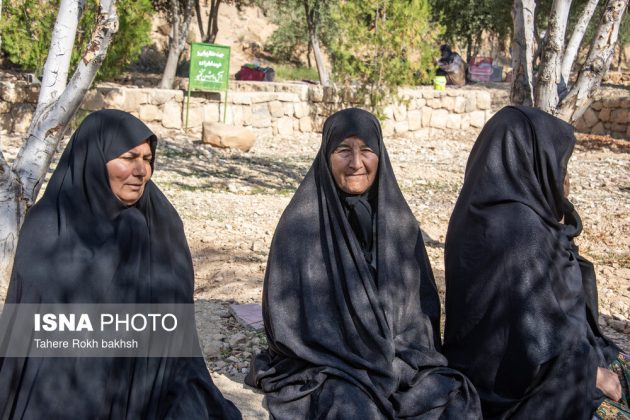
point(199, 166)
point(228, 348)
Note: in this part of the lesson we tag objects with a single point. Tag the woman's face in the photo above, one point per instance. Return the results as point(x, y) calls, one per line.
point(129, 173)
point(354, 166)
point(566, 185)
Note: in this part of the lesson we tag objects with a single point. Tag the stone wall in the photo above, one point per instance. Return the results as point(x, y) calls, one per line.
point(290, 108)
point(607, 115)
point(274, 108)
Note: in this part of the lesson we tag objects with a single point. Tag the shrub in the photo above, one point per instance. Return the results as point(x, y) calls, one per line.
point(27, 27)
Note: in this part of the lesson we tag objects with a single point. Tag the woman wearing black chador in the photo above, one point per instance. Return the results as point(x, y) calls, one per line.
point(104, 233)
point(350, 306)
point(521, 303)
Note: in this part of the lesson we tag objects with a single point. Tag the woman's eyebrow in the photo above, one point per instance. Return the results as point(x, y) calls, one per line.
point(136, 154)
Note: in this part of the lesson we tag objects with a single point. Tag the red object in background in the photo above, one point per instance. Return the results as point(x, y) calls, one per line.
point(248, 73)
point(480, 69)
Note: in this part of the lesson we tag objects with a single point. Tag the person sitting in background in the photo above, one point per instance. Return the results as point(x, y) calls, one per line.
point(453, 66)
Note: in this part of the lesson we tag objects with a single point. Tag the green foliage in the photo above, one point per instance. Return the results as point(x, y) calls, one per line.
point(289, 43)
point(624, 30)
point(27, 27)
point(134, 32)
point(383, 44)
point(289, 72)
point(465, 21)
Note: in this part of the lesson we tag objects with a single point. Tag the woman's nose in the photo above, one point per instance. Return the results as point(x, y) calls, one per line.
point(139, 168)
point(356, 161)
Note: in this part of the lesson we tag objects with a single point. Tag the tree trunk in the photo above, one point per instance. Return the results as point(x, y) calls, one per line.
point(319, 60)
point(309, 49)
point(522, 52)
point(180, 22)
point(597, 63)
point(213, 21)
point(549, 76)
point(58, 62)
point(11, 213)
point(199, 20)
point(573, 46)
point(20, 184)
point(469, 49)
point(312, 22)
point(170, 69)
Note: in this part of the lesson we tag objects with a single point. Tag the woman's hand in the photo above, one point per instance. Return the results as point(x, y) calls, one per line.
point(608, 383)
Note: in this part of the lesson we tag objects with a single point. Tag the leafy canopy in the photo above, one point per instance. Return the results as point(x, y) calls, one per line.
point(27, 26)
point(383, 44)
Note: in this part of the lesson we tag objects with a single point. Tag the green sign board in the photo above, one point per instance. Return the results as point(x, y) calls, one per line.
point(209, 66)
point(209, 69)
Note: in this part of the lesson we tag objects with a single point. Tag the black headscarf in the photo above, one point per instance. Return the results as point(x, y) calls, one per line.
point(358, 208)
point(342, 342)
point(80, 244)
point(516, 307)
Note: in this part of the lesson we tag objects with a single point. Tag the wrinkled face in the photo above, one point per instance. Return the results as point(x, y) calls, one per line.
point(129, 173)
point(354, 166)
point(566, 185)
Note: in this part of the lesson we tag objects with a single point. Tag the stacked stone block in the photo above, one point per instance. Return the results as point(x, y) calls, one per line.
point(291, 108)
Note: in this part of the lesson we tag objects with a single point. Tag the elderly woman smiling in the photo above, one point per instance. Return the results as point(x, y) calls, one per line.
point(350, 305)
point(103, 232)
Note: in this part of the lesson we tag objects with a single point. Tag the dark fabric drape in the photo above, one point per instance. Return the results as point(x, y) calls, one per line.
point(518, 294)
point(344, 344)
point(80, 244)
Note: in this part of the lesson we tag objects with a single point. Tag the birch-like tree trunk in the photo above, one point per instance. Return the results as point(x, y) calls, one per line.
point(180, 22)
point(549, 75)
point(312, 13)
point(58, 102)
point(522, 92)
point(319, 61)
point(597, 63)
point(573, 46)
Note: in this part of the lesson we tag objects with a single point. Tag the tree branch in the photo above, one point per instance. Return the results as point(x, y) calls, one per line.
point(597, 63)
point(521, 92)
point(199, 20)
point(48, 126)
point(549, 76)
point(58, 60)
point(576, 38)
